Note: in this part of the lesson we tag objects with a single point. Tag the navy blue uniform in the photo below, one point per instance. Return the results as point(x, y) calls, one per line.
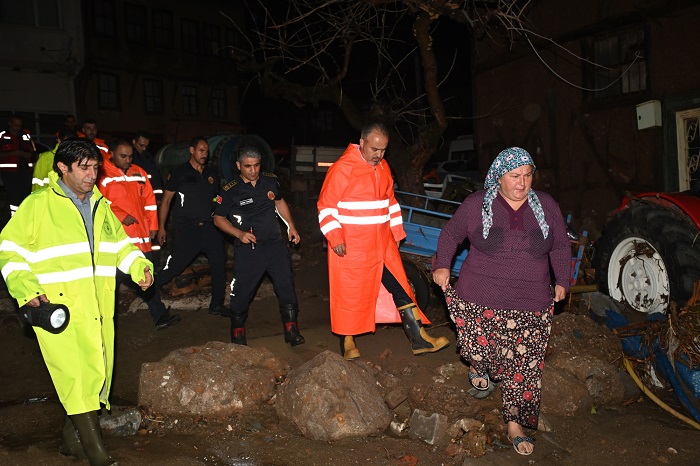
point(247, 206)
point(193, 227)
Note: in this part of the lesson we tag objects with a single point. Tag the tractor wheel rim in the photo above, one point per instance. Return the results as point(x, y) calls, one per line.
point(638, 276)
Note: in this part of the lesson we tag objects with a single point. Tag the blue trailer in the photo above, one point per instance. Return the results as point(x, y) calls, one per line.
point(422, 226)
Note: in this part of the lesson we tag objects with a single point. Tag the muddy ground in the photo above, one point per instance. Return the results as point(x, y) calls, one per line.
point(636, 433)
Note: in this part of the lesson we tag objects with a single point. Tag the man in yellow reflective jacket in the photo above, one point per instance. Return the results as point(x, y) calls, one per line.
point(64, 246)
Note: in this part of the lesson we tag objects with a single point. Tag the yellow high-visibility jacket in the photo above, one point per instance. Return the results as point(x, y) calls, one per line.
point(44, 249)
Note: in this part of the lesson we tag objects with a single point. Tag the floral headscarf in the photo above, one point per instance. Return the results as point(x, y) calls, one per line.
point(509, 159)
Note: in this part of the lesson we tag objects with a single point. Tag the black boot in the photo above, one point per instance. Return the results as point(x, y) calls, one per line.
point(88, 427)
point(421, 342)
point(238, 336)
point(290, 313)
point(70, 445)
point(238, 327)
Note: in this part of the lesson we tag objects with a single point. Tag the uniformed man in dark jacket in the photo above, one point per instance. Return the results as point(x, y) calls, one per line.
point(247, 209)
point(190, 190)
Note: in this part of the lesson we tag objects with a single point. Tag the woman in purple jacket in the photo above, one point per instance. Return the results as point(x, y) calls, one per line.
point(502, 303)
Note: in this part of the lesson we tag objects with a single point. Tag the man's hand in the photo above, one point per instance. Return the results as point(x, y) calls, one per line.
point(129, 220)
point(152, 234)
point(161, 236)
point(37, 301)
point(148, 280)
point(441, 277)
point(293, 235)
point(247, 237)
point(340, 249)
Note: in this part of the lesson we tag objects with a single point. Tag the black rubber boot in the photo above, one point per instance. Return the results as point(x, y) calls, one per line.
point(238, 336)
point(421, 342)
point(238, 327)
point(88, 427)
point(70, 445)
point(290, 313)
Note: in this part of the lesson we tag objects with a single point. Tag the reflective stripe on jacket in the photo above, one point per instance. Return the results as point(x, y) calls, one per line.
point(9, 143)
point(44, 249)
point(130, 194)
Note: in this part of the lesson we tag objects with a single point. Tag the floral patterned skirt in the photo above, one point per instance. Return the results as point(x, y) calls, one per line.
point(510, 346)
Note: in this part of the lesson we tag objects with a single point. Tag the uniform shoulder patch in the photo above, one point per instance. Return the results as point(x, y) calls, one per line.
point(271, 175)
point(230, 185)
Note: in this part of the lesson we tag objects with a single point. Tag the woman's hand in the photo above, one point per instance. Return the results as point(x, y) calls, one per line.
point(559, 293)
point(441, 277)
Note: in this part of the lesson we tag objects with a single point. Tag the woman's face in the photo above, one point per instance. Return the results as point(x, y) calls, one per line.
point(516, 184)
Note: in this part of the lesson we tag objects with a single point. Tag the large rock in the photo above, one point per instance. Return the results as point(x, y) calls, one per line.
point(562, 394)
point(329, 398)
point(578, 334)
point(602, 380)
point(216, 379)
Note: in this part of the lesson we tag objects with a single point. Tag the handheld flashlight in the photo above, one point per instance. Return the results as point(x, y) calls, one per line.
point(51, 317)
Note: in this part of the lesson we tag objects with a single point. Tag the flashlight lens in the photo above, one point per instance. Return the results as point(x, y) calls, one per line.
point(58, 318)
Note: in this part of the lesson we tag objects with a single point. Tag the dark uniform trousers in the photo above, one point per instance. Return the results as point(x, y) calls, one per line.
point(150, 295)
point(188, 242)
point(393, 286)
point(249, 266)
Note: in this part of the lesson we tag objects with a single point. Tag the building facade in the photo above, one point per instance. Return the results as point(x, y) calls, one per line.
point(605, 95)
point(40, 56)
point(161, 66)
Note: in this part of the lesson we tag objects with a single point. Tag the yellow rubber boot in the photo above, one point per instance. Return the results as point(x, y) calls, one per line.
point(350, 351)
point(421, 342)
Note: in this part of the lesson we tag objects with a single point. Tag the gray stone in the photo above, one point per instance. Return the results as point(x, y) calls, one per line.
point(563, 395)
point(431, 428)
point(216, 379)
point(329, 398)
point(121, 421)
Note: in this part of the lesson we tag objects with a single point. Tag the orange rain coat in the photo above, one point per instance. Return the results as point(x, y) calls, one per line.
point(357, 207)
point(130, 193)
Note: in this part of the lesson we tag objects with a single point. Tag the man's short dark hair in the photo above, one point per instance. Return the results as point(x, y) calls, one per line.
point(76, 150)
point(250, 152)
point(89, 121)
point(374, 126)
point(65, 133)
point(141, 134)
point(116, 142)
point(195, 140)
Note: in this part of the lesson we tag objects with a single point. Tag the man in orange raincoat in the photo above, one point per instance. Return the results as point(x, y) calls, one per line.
point(361, 220)
point(131, 198)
